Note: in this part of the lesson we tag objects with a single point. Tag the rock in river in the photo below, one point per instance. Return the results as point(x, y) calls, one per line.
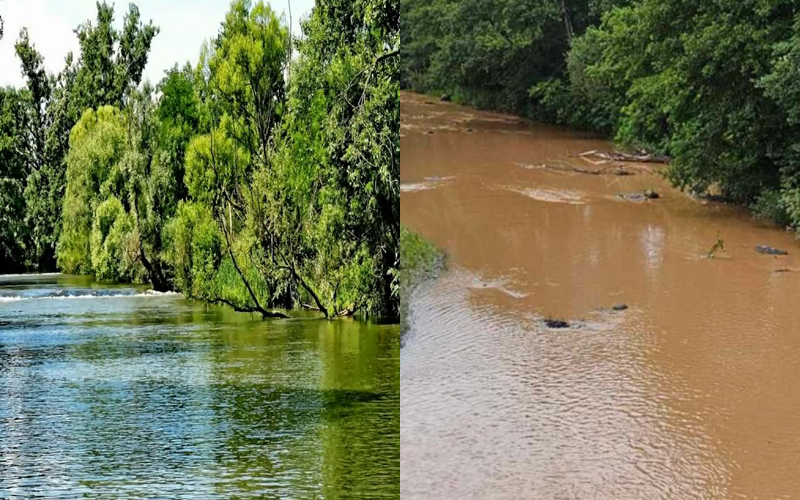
point(643, 196)
point(619, 307)
point(770, 250)
point(650, 194)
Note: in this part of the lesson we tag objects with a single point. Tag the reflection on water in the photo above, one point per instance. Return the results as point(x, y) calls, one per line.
point(652, 238)
point(690, 392)
point(154, 396)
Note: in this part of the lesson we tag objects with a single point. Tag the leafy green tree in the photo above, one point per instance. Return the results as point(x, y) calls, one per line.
point(333, 199)
point(780, 84)
point(111, 61)
point(246, 69)
point(42, 175)
point(112, 242)
point(14, 234)
point(111, 64)
point(240, 83)
point(97, 144)
point(149, 185)
point(685, 78)
point(179, 120)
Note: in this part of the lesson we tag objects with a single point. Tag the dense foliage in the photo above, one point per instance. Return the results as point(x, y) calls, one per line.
point(265, 176)
point(491, 52)
point(711, 83)
point(50, 105)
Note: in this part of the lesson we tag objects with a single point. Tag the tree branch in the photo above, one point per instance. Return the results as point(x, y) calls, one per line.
point(302, 282)
point(387, 55)
point(268, 314)
point(258, 307)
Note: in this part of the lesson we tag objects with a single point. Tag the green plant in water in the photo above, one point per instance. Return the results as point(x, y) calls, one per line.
point(719, 245)
point(419, 260)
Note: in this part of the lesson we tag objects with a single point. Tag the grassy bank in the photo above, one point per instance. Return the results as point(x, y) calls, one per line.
point(420, 261)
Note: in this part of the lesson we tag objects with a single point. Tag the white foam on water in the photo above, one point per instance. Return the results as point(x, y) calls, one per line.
point(548, 195)
point(147, 293)
point(426, 184)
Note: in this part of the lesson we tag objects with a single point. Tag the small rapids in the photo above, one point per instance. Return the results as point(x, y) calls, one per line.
point(83, 294)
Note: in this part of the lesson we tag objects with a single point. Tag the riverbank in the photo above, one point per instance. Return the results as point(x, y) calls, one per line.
point(687, 80)
point(420, 261)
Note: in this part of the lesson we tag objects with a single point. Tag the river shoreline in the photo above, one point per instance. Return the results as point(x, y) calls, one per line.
point(710, 197)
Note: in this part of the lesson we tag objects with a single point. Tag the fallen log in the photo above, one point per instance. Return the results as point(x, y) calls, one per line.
point(626, 157)
point(568, 168)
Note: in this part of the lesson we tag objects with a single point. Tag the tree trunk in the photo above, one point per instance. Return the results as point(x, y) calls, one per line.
point(153, 273)
point(567, 21)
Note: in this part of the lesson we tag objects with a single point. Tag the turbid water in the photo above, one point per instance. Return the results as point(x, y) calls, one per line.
point(117, 392)
point(691, 392)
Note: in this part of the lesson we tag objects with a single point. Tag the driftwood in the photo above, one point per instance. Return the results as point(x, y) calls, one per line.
point(608, 163)
point(567, 167)
point(626, 157)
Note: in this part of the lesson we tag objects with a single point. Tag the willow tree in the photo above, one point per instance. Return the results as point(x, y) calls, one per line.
point(110, 64)
point(149, 186)
point(241, 87)
point(327, 210)
point(97, 144)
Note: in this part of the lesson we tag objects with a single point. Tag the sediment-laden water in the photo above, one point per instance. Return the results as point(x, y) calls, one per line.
point(691, 392)
point(120, 392)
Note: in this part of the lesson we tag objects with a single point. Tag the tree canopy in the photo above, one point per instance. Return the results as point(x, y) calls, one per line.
point(710, 83)
point(254, 178)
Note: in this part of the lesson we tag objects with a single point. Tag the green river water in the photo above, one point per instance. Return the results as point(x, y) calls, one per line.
point(118, 392)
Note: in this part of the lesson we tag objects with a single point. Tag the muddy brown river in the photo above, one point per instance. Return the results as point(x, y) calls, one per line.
point(693, 391)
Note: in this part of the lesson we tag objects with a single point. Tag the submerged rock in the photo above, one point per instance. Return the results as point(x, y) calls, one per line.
point(768, 250)
point(619, 307)
point(643, 196)
point(556, 323)
point(651, 195)
point(638, 197)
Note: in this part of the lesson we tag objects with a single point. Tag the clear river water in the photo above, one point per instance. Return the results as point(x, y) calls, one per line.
point(119, 392)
